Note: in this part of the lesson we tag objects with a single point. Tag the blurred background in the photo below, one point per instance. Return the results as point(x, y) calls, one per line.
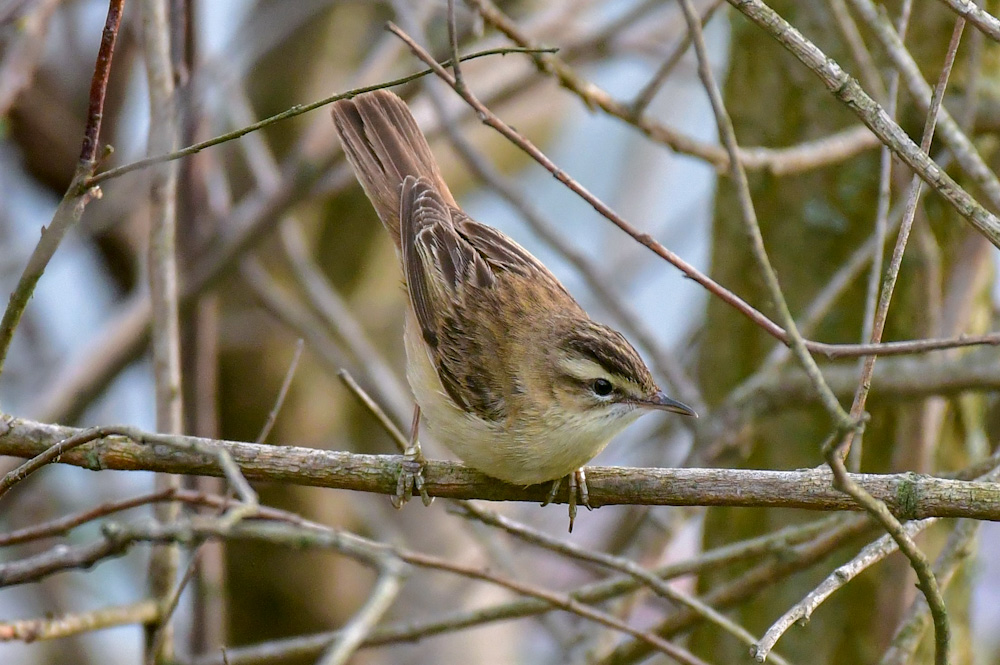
point(312, 262)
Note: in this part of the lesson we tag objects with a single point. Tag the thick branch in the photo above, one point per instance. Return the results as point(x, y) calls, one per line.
point(909, 496)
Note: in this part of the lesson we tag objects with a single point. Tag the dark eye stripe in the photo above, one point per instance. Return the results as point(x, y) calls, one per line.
point(613, 358)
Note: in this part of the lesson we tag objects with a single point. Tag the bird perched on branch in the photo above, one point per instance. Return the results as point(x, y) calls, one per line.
point(507, 369)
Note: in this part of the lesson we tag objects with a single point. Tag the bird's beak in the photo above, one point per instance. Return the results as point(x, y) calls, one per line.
point(661, 402)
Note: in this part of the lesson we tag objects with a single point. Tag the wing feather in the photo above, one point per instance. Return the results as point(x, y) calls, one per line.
point(501, 253)
point(440, 266)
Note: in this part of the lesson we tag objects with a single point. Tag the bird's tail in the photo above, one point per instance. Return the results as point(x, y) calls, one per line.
point(384, 145)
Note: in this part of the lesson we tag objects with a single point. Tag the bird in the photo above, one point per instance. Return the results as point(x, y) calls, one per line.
point(507, 370)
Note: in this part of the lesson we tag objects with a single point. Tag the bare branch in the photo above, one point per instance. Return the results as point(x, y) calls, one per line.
point(738, 174)
point(67, 625)
point(801, 612)
point(910, 496)
point(164, 560)
point(77, 195)
point(62, 525)
point(777, 545)
point(641, 575)
point(121, 537)
point(810, 155)
point(279, 401)
point(646, 95)
point(966, 154)
point(351, 636)
point(956, 551)
point(291, 112)
point(881, 227)
point(874, 116)
point(977, 16)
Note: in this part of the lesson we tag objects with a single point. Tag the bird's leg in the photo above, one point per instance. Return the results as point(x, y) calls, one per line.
point(581, 481)
point(578, 492)
point(411, 475)
point(556, 484)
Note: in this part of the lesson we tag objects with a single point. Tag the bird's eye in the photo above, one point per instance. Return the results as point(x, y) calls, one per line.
point(601, 387)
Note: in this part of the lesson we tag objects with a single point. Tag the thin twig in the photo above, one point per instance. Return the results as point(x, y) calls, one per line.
point(895, 262)
point(291, 112)
point(388, 586)
point(62, 525)
point(965, 152)
point(99, 84)
point(169, 605)
point(765, 550)
point(918, 561)
point(834, 351)
point(645, 577)
point(67, 625)
point(977, 16)
point(453, 42)
point(840, 417)
point(862, 54)
point(77, 195)
point(53, 453)
point(847, 90)
point(881, 227)
point(648, 92)
point(56, 559)
point(973, 78)
point(834, 453)
point(390, 427)
point(286, 384)
point(163, 288)
point(959, 549)
point(801, 612)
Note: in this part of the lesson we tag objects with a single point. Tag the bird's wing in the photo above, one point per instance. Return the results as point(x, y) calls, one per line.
point(500, 252)
point(443, 269)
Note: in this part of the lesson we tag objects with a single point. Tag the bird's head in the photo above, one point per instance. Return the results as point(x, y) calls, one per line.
point(599, 377)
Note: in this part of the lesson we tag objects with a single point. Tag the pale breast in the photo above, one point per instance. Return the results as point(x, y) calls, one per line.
point(562, 445)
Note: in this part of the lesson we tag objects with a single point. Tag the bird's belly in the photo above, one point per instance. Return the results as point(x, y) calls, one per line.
point(557, 447)
point(516, 457)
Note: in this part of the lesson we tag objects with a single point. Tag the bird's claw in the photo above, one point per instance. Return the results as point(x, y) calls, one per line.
point(411, 477)
point(578, 493)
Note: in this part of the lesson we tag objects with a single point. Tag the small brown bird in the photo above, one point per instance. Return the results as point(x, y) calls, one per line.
point(507, 369)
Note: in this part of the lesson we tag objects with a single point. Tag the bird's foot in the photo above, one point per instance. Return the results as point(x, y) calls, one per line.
point(578, 492)
point(411, 477)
